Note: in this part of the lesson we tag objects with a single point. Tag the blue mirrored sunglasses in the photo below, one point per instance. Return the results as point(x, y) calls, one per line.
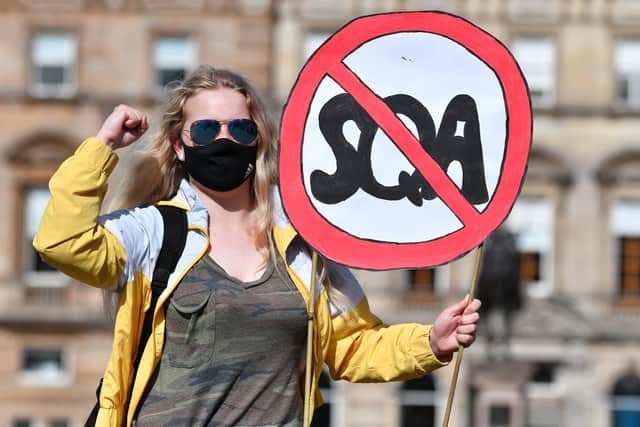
point(204, 131)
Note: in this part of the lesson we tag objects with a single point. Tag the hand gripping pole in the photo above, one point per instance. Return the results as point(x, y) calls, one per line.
point(456, 369)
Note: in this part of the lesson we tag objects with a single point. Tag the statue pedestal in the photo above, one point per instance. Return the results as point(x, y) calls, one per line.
point(499, 394)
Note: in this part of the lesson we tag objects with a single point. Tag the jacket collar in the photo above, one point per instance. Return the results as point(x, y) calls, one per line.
point(186, 198)
point(283, 230)
point(197, 214)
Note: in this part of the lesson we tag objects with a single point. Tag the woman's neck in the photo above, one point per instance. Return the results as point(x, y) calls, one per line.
point(232, 231)
point(227, 208)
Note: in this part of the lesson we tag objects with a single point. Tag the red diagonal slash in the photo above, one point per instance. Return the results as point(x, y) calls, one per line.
point(444, 187)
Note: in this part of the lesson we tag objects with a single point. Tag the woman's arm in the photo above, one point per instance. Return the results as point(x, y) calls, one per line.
point(363, 349)
point(70, 237)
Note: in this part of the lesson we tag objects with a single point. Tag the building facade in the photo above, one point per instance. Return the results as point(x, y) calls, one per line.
point(68, 64)
point(569, 357)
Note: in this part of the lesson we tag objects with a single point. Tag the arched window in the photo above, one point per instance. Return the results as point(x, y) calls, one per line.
point(533, 219)
point(31, 163)
point(626, 401)
point(619, 176)
point(418, 402)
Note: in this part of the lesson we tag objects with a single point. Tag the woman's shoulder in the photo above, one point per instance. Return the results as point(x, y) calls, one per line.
point(146, 216)
point(138, 229)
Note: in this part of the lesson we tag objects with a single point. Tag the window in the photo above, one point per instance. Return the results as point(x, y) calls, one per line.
point(543, 373)
point(53, 62)
point(36, 199)
point(499, 416)
point(627, 60)
point(536, 56)
point(173, 57)
point(425, 285)
point(418, 400)
point(531, 220)
point(546, 395)
point(44, 282)
point(25, 422)
point(629, 266)
point(626, 231)
point(32, 161)
point(43, 366)
point(422, 280)
point(626, 401)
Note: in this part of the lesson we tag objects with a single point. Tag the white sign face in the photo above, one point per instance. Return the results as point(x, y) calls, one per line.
point(404, 141)
point(433, 70)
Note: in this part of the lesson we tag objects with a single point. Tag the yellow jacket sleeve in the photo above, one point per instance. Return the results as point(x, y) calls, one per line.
point(363, 349)
point(70, 237)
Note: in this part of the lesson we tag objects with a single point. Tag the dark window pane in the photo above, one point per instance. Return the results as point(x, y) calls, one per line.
point(529, 267)
point(325, 380)
point(422, 280)
point(424, 383)
point(499, 415)
point(626, 419)
point(623, 88)
point(322, 416)
point(38, 263)
point(543, 372)
point(33, 360)
point(168, 75)
point(36, 198)
point(59, 423)
point(628, 385)
point(53, 75)
point(629, 266)
point(418, 416)
point(21, 422)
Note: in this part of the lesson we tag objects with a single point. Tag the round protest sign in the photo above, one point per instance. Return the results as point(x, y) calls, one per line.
point(404, 141)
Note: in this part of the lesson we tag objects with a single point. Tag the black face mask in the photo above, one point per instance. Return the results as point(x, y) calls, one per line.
point(221, 165)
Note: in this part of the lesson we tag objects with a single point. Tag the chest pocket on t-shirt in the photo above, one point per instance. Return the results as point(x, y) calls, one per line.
point(190, 327)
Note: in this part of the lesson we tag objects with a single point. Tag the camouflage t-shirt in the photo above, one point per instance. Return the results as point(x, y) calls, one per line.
point(233, 352)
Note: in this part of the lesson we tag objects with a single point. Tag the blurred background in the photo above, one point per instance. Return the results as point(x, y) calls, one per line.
point(560, 338)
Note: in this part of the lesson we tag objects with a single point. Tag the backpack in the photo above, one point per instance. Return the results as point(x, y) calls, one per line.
point(173, 241)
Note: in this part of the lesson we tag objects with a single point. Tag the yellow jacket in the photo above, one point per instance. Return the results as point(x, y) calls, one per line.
point(120, 249)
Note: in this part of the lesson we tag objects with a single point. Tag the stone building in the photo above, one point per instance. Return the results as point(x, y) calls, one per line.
point(574, 342)
point(573, 354)
point(67, 64)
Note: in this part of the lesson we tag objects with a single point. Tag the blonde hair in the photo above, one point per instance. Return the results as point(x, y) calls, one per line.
point(158, 171)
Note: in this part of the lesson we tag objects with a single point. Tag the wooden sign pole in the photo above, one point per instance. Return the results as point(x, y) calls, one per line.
point(456, 369)
point(311, 302)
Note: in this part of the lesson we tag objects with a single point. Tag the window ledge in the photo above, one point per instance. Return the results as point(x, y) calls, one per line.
point(631, 302)
point(544, 390)
point(538, 290)
point(45, 279)
point(622, 109)
point(53, 91)
point(43, 379)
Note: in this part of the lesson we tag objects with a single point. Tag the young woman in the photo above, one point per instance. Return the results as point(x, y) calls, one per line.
point(228, 339)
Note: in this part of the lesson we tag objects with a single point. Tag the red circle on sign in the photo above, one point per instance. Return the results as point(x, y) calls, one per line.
point(337, 244)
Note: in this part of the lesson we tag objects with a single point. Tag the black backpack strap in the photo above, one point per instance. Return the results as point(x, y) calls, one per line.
point(93, 416)
point(173, 242)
